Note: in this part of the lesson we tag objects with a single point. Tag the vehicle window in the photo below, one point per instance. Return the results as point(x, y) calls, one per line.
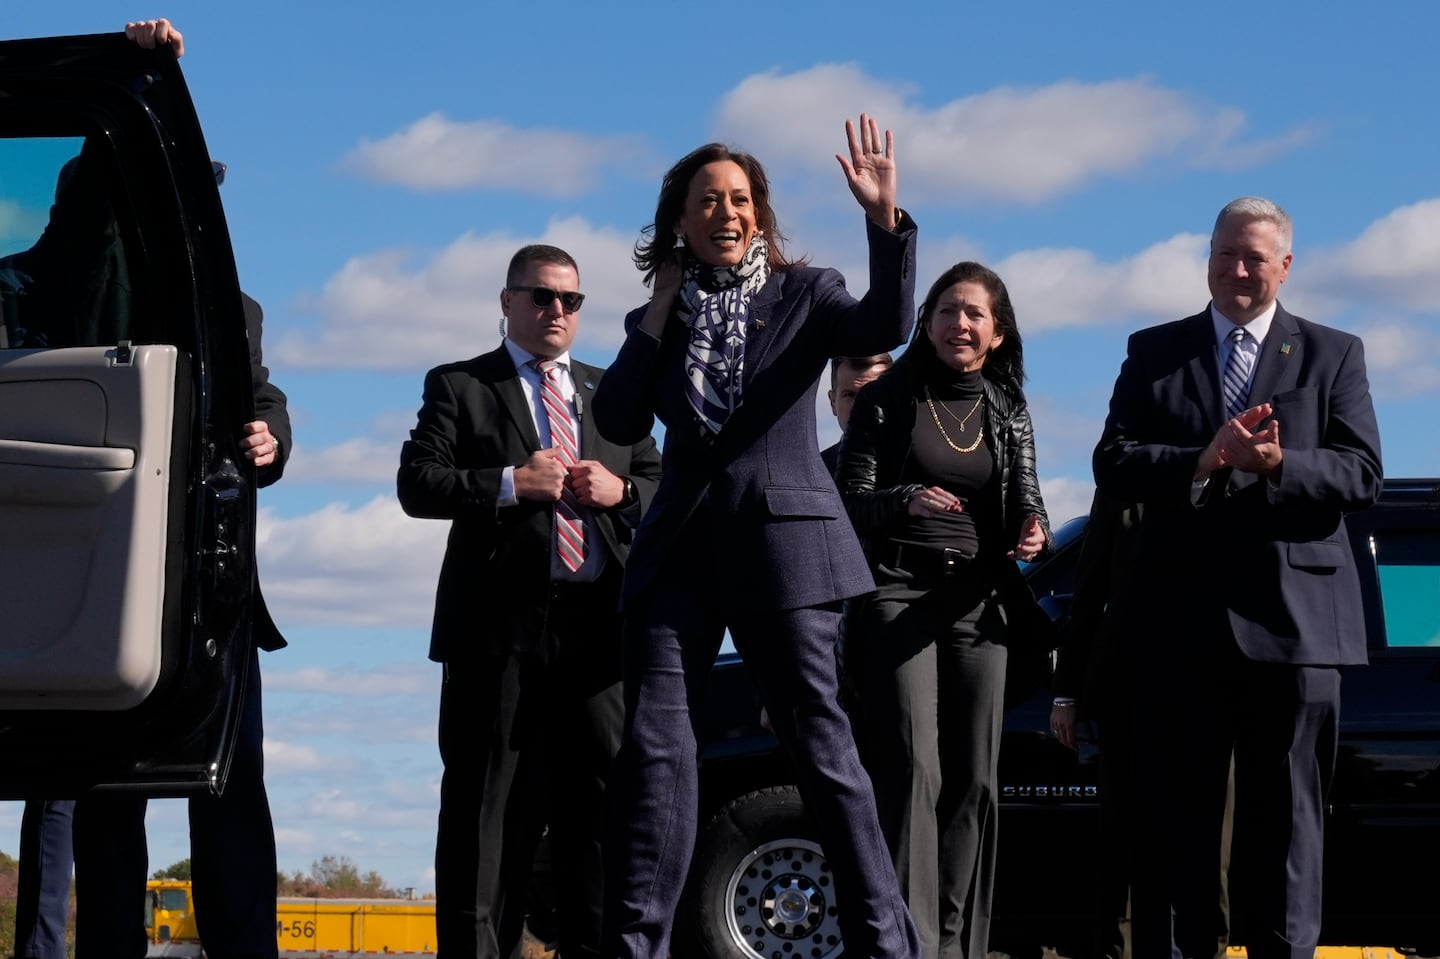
point(1056, 575)
point(65, 279)
point(173, 900)
point(1409, 568)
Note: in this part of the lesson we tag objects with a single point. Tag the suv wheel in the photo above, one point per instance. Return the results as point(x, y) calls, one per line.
point(760, 887)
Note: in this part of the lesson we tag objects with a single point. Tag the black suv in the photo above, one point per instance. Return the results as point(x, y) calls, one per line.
point(759, 886)
point(127, 513)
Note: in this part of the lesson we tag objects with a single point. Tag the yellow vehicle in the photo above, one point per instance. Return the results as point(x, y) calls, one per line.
point(303, 927)
point(313, 928)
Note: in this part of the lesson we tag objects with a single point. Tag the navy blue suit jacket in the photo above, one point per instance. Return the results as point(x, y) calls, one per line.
point(1271, 553)
point(783, 532)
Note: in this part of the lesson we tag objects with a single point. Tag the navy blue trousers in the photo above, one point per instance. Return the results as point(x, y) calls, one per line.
point(1280, 722)
point(42, 901)
point(671, 640)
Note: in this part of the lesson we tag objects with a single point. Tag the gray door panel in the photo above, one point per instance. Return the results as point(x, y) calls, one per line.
point(85, 454)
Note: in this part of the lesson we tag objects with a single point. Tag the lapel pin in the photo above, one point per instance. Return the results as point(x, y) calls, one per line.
point(591, 386)
point(1285, 348)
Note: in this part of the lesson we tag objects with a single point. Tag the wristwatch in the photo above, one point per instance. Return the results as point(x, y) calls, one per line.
point(631, 496)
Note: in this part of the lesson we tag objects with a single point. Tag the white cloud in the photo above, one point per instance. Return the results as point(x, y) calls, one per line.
point(336, 806)
point(400, 310)
point(361, 461)
point(1067, 428)
point(435, 153)
point(295, 842)
point(365, 566)
point(409, 720)
point(389, 680)
point(20, 224)
point(283, 757)
point(1055, 288)
point(1392, 261)
point(1066, 498)
point(1401, 359)
point(1005, 144)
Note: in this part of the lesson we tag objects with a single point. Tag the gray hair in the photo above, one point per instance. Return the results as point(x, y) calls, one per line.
point(1259, 208)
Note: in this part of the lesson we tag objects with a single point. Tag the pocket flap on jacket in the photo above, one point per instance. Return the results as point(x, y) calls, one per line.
point(795, 501)
point(1322, 554)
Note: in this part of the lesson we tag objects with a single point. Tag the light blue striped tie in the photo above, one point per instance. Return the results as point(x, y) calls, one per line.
point(1236, 385)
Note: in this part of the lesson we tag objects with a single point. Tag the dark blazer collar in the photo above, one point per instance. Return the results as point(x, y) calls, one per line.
point(1276, 371)
point(1199, 345)
point(1279, 364)
point(585, 378)
point(771, 310)
point(766, 316)
point(498, 368)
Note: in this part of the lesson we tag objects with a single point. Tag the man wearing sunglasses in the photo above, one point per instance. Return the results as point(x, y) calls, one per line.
point(542, 510)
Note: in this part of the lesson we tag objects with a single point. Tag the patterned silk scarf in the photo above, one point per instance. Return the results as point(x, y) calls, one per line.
point(715, 304)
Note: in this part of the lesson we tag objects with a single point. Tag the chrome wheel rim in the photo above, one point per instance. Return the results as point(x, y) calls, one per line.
point(780, 903)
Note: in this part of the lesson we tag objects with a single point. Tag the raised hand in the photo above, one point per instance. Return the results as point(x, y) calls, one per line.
point(663, 290)
point(870, 170)
point(156, 33)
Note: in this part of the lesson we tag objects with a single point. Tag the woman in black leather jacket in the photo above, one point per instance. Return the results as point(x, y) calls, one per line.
point(937, 472)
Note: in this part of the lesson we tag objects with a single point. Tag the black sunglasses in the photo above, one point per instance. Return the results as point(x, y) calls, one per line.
point(543, 296)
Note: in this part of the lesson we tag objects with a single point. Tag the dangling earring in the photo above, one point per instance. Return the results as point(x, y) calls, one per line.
point(679, 240)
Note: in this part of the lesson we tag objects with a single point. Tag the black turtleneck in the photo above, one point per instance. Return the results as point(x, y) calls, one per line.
point(953, 397)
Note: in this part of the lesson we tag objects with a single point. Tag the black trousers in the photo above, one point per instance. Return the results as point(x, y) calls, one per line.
point(527, 740)
point(232, 849)
point(931, 679)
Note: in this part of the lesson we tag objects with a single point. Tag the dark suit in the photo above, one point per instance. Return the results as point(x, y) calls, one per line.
point(530, 706)
point(1091, 670)
point(232, 837)
point(748, 533)
point(1245, 604)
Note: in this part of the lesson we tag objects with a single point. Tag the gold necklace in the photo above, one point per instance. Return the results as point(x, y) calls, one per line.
point(979, 434)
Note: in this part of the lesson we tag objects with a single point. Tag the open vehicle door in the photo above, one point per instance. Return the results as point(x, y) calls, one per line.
point(127, 512)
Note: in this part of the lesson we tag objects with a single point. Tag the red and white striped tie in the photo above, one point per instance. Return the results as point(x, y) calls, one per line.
point(569, 527)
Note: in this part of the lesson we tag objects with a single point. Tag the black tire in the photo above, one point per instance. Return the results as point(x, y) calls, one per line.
point(759, 886)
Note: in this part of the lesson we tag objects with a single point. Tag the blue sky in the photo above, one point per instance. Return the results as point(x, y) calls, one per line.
point(386, 160)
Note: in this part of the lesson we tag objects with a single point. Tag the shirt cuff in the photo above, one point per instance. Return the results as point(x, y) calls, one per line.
point(507, 495)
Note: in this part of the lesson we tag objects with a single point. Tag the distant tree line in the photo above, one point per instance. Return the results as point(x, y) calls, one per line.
point(335, 877)
point(330, 877)
point(9, 880)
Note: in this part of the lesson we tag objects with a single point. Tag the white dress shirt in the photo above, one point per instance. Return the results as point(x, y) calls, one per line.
point(589, 571)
